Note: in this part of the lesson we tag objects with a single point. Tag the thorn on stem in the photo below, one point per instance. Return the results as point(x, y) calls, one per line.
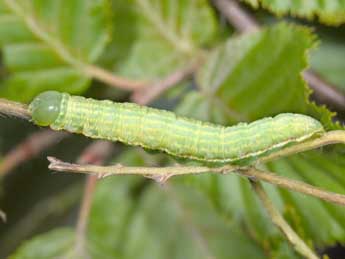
point(101, 176)
point(161, 178)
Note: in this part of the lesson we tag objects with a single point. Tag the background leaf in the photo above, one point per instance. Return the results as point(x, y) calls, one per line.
point(328, 12)
point(50, 245)
point(45, 44)
point(248, 74)
point(152, 38)
point(133, 228)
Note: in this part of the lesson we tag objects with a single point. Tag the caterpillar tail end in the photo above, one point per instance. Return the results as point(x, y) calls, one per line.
point(45, 108)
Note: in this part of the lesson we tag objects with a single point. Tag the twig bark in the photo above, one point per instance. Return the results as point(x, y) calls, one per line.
point(294, 185)
point(162, 174)
point(15, 109)
point(299, 245)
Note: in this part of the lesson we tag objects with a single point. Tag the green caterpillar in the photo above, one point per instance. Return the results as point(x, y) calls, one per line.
point(163, 130)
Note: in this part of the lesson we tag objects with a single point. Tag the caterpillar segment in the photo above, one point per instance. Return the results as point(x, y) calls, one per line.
point(165, 131)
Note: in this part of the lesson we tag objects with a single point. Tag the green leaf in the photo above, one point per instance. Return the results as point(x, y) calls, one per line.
point(255, 76)
point(46, 44)
point(173, 222)
point(249, 73)
point(328, 12)
point(184, 226)
point(112, 205)
point(53, 244)
point(152, 38)
point(233, 198)
point(247, 76)
point(110, 216)
point(322, 170)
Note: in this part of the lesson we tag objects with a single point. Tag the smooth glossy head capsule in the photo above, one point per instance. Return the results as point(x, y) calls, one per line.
point(45, 108)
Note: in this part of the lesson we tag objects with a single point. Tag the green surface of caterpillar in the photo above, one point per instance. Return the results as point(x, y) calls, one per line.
point(163, 130)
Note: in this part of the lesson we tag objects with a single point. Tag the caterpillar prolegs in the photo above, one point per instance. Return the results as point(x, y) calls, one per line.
point(163, 130)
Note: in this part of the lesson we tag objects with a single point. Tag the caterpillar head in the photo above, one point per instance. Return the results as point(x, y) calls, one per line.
point(45, 108)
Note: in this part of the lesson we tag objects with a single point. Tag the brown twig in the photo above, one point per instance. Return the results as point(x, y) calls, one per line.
point(238, 17)
point(324, 91)
point(89, 190)
point(96, 153)
point(294, 185)
point(147, 94)
point(15, 109)
point(29, 148)
point(162, 174)
point(299, 245)
point(113, 80)
point(244, 23)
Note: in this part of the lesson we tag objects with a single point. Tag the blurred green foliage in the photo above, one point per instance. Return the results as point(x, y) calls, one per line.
point(328, 12)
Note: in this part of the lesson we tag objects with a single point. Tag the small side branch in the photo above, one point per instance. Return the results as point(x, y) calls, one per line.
point(113, 80)
point(328, 138)
point(15, 109)
point(299, 245)
point(294, 185)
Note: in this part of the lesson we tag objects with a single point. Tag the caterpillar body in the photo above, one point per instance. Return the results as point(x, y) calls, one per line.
point(163, 130)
